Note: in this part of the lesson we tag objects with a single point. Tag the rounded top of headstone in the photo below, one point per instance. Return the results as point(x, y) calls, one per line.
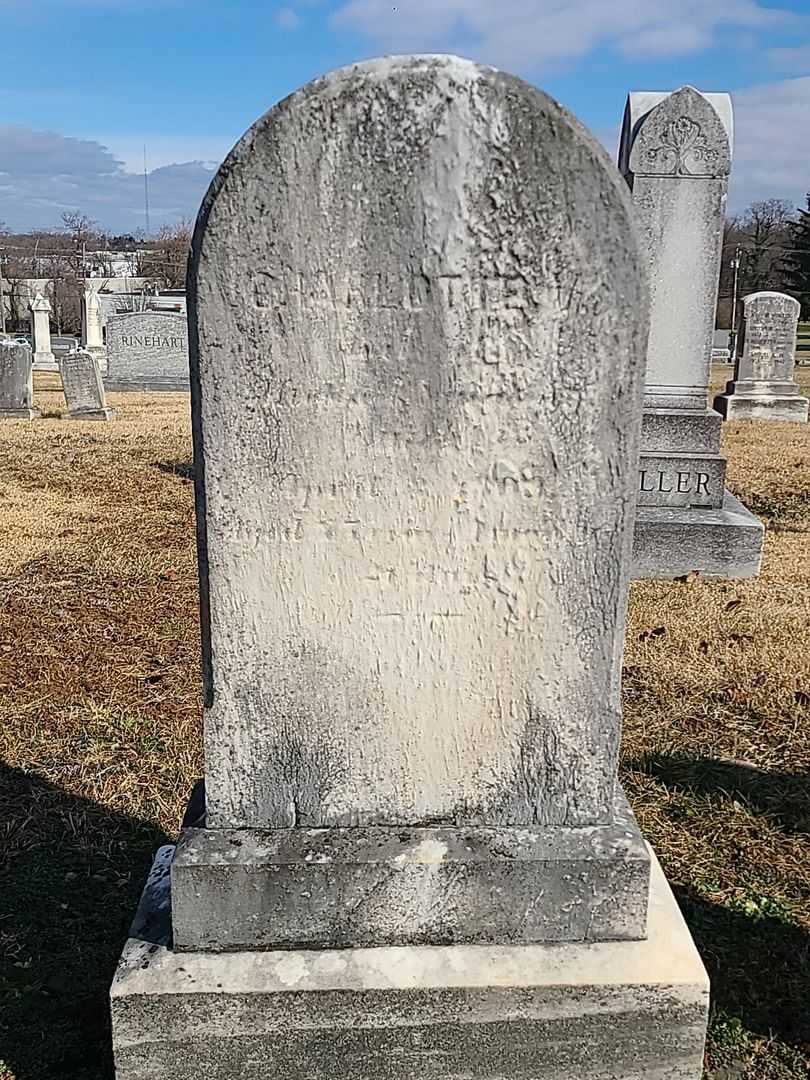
point(374, 83)
point(682, 136)
point(774, 297)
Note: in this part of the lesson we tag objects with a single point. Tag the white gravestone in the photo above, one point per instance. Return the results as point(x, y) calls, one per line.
point(43, 358)
point(721, 347)
point(763, 387)
point(83, 387)
point(16, 382)
point(676, 157)
point(92, 330)
point(418, 319)
point(147, 351)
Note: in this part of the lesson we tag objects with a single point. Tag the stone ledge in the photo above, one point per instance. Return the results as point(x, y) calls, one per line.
point(91, 414)
point(19, 414)
point(607, 1011)
point(748, 407)
point(374, 886)
point(670, 542)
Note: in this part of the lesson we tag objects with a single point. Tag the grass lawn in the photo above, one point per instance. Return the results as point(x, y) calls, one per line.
point(100, 731)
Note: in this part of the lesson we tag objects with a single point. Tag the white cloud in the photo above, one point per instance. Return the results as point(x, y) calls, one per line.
point(287, 19)
point(529, 35)
point(43, 173)
point(771, 154)
point(794, 60)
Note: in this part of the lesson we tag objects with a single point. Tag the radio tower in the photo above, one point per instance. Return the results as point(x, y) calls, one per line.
point(145, 191)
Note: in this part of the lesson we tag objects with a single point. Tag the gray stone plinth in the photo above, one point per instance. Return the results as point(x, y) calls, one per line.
point(765, 407)
point(612, 1011)
point(282, 888)
point(680, 431)
point(669, 542)
point(681, 479)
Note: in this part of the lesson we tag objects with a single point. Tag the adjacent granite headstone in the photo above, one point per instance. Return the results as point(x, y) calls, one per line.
point(16, 382)
point(40, 310)
point(147, 351)
point(418, 321)
point(676, 157)
point(84, 388)
point(763, 387)
point(92, 330)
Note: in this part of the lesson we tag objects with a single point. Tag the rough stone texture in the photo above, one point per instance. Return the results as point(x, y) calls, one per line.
point(611, 1011)
point(670, 430)
point(147, 350)
point(763, 386)
point(420, 332)
point(16, 382)
point(676, 157)
point(84, 389)
point(43, 358)
point(281, 888)
point(724, 543)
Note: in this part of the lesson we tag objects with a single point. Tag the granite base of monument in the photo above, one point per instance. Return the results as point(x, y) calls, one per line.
point(377, 886)
point(670, 542)
point(787, 407)
point(630, 1010)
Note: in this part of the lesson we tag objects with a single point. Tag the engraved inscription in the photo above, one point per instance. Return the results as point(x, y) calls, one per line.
point(673, 482)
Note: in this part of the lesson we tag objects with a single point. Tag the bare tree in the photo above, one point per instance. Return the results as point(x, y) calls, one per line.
point(164, 259)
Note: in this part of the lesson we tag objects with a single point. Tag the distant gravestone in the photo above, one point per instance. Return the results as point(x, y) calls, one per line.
point(92, 331)
point(418, 316)
point(676, 157)
point(84, 388)
point(16, 382)
point(43, 357)
point(721, 347)
point(763, 387)
point(147, 351)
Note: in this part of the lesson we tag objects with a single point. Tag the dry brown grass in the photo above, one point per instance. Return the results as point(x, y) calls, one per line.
point(100, 740)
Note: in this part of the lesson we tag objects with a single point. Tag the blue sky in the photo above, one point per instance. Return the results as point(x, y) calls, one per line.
point(85, 83)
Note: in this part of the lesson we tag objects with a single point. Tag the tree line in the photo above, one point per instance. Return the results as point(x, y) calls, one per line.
point(771, 243)
point(65, 256)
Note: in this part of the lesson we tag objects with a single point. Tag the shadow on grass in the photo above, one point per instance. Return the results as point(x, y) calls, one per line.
point(71, 874)
point(757, 966)
point(184, 469)
point(783, 797)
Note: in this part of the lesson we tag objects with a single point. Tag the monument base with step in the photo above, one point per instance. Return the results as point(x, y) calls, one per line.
point(630, 1010)
point(19, 414)
point(793, 409)
point(670, 542)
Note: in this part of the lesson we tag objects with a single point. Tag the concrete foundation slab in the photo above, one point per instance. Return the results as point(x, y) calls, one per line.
point(285, 888)
point(620, 1010)
point(19, 414)
point(91, 414)
point(670, 542)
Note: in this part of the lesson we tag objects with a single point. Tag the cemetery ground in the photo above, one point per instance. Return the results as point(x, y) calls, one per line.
point(100, 730)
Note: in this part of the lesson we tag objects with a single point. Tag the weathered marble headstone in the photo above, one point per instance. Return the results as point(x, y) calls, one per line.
point(418, 323)
point(43, 358)
point(16, 382)
point(84, 388)
point(147, 350)
point(763, 387)
point(676, 157)
point(92, 331)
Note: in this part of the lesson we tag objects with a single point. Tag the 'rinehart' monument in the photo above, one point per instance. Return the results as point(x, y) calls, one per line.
point(676, 157)
point(418, 326)
point(147, 351)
